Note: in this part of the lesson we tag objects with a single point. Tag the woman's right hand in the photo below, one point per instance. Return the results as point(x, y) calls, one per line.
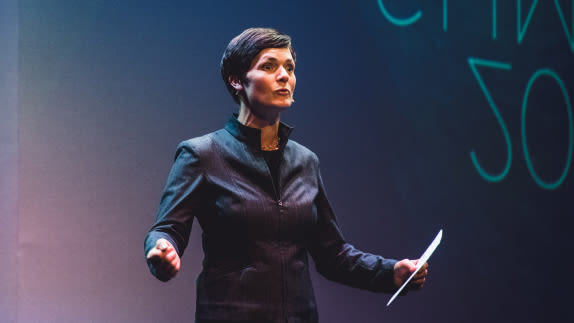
point(163, 260)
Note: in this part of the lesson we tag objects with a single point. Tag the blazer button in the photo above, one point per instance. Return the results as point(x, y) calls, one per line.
point(280, 203)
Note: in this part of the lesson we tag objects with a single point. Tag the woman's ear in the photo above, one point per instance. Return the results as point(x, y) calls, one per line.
point(235, 82)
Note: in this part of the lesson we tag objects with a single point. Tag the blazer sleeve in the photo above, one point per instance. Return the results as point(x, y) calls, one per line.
point(180, 201)
point(338, 260)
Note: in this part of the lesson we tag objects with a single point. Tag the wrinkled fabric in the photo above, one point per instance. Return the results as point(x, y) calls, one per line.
point(257, 230)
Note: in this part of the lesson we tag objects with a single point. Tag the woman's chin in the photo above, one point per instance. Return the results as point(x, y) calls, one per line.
point(284, 103)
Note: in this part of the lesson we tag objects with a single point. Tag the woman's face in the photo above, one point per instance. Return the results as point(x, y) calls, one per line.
point(270, 81)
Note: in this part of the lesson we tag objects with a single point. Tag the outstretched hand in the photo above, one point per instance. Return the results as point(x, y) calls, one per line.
point(404, 269)
point(164, 260)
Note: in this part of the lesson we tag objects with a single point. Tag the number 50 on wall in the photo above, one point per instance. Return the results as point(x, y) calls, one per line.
point(496, 177)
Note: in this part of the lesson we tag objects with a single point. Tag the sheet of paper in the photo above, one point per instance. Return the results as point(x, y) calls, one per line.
point(424, 258)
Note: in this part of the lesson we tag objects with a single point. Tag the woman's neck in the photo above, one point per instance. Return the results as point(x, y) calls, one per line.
point(269, 127)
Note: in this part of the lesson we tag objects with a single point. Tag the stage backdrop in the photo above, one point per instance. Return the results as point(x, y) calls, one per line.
point(426, 115)
point(8, 160)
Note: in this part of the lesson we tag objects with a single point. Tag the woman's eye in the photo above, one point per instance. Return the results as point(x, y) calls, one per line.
point(290, 68)
point(267, 67)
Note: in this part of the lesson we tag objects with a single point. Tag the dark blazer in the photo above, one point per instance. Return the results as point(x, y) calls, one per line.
point(257, 233)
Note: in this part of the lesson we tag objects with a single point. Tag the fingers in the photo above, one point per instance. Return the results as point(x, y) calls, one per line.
point(422, 269)
point(167, 269)
point(404, 268)
point(401, 271)
point(419, 279)
point(425, 266)
point(162, 244)
point(422, 275)
point(416, 263)
point(164, 270)
point(164, 260)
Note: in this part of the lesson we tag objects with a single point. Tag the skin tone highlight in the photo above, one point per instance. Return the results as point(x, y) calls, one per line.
point(266, 91)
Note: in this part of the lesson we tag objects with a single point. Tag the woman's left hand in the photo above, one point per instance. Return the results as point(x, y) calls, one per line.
point(404, 269)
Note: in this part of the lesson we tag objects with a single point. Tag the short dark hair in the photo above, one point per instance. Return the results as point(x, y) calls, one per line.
point(242, 49)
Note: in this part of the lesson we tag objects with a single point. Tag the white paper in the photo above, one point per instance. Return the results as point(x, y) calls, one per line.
point(422, 260)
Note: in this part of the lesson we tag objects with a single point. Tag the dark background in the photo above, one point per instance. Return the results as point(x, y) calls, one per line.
point(97, 94)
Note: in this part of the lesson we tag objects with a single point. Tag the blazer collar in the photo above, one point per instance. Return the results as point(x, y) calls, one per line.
point(252, 136)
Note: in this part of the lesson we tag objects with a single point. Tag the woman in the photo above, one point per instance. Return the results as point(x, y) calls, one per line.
point(260, 201)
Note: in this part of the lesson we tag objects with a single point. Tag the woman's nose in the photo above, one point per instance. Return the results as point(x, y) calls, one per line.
point(282, 75)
